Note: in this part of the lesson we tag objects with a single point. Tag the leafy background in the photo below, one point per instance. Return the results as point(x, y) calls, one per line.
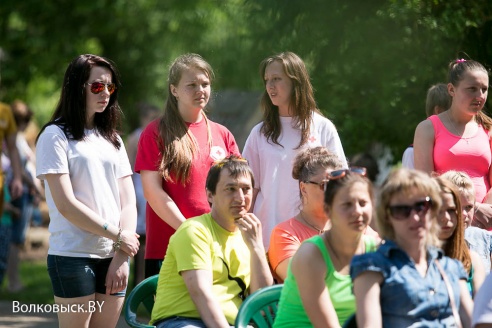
point(371, 62)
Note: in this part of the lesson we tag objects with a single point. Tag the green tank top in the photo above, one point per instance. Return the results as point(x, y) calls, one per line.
point(291, 312)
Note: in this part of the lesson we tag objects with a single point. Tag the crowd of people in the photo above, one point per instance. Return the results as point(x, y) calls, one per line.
point(216, 224)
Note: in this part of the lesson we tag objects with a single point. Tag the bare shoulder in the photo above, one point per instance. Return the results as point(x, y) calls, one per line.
point(308, 258)
point(475, 257)
point(425, 129)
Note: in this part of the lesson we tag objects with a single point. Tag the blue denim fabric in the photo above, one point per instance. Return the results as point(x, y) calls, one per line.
point(78, 276)
point(181, 322)
point(407, 298)
point(20, 224)
point(5, 237)
point(480, 241)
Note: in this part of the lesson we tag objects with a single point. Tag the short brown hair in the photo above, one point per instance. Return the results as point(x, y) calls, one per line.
point(403, 180)
point(437, 95)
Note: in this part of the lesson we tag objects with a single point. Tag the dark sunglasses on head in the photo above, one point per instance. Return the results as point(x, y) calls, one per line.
point(98, 87)
point(339, 174)
point(402, 212)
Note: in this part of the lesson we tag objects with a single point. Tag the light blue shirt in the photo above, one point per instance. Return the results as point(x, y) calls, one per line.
point(408, 299)
point(480, 241)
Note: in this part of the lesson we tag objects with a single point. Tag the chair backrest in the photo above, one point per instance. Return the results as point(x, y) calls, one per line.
point(143, 293)
point(260, 308)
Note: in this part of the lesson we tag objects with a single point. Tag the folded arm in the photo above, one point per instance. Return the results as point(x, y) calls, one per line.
point(85, 218)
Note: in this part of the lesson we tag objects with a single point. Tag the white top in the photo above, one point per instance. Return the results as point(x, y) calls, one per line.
point(482, 308)
point(278, 197)
point(94, 166)
point(407, 158)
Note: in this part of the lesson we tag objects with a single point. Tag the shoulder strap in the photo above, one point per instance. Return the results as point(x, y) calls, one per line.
point(451, 295)
point(320, 243)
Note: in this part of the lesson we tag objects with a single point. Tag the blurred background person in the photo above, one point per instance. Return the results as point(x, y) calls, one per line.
point(452, 234)
point(30, 197)
point(477, 239)
point(146, 113)
point(437, 101)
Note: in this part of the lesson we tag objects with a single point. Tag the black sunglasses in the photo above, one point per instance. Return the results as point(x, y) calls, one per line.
point(402, 212)
point(339, 174)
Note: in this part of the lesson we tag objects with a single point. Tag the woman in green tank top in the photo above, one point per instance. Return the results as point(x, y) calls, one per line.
point(318, 290)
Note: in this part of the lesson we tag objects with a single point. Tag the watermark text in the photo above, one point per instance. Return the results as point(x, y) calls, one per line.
point(92, 306)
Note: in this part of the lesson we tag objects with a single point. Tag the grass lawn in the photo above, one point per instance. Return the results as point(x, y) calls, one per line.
point(37, 284)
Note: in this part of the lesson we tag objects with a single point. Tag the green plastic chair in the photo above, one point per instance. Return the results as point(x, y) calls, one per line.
point(144, 294)
point(259, 308)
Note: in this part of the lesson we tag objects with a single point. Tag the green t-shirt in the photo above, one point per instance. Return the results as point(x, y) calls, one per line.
point(291, 312)
point(201, 244)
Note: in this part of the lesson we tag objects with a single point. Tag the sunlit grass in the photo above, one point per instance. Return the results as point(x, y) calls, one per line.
point(37, 284)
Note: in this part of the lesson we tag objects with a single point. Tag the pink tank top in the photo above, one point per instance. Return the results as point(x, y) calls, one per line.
point(471, 155)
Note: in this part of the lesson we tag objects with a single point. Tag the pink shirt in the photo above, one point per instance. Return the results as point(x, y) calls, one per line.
point(470, 155)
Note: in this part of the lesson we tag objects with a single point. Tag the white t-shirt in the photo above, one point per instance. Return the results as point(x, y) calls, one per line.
point(407, 158)
point(278, 197)
point(94, 166)
point(482, 308)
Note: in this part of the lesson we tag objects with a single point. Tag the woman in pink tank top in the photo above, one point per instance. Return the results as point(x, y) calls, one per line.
point(459, 138)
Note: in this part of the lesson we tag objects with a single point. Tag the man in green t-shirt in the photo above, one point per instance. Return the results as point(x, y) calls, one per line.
point(215, 260)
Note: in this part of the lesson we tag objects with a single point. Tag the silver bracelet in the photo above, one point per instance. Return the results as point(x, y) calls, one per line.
point(117, 243)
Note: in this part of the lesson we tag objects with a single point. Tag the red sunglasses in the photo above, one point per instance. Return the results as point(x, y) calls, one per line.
point(98, 87)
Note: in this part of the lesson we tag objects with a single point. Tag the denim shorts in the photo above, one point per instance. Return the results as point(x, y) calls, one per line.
point(78, 276)
point(180, 322)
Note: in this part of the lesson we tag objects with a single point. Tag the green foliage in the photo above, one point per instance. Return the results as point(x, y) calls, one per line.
point(371, 62)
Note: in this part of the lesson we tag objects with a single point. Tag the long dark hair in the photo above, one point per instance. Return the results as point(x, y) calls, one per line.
point(302, 101)
point(70, 113)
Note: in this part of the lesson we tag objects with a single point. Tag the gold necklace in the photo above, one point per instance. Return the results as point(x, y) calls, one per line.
point(309, 224)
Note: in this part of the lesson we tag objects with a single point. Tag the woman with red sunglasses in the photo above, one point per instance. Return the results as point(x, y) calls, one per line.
point(408, 282)
point(175, 153)
point(90, 195)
